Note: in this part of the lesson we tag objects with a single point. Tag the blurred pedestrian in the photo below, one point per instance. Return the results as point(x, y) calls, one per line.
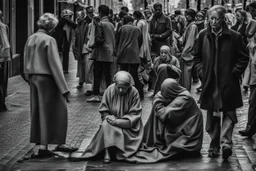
point(81, 32)
point(250, 128)
point(223, 56)
point(160, 30)
point(48, 89)
point(5, 56)
point(129, 41)
point(187, 54)
point(181, 22)
point(103, 52)
point(148, 15)
point(240, 26)
point(200, 20)
point(145, 55)
point(63, 34)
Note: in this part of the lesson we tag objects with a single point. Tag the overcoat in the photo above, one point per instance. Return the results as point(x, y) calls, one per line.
point(105, 52)
point(48, 106)
point(128, 44)
point(161, 28)
point(223, 61)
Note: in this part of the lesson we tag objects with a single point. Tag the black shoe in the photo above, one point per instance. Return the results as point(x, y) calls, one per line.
point(226, 152)
point(246, 133)
point(213, 152)
point(65, 148)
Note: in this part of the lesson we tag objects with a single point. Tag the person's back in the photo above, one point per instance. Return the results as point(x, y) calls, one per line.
point(130, 39)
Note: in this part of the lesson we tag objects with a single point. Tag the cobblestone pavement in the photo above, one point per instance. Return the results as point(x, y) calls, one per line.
point(84, 121)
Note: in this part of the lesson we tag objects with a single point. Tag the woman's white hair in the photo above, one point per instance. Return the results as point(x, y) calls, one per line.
point(219, 9)
point(47, 22)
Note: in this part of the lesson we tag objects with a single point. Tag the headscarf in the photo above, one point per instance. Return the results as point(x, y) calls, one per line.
point(166, 48)
point(170, 89)
point(123, 76)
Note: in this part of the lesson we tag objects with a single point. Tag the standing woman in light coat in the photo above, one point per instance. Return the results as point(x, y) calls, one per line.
point(48, 88)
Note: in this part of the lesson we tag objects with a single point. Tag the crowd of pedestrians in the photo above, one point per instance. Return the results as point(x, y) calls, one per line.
point(122, 56)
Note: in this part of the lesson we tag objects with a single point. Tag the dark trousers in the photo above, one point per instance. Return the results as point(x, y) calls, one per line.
point(221, 133)
point(65, 60)
point(98, 69)
point(133, 70)
point(251, 123)
point(3, 84)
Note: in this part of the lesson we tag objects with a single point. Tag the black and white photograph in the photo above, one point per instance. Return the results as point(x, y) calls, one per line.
point(127, 85)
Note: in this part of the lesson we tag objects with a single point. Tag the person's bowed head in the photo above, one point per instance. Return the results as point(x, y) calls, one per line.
point(123, 81)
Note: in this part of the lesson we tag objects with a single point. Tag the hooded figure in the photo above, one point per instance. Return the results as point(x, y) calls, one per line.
point(165, 66)
point(121, 128)
point(175, 125)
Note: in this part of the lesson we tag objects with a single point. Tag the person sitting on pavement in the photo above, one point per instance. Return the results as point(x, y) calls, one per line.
point(165, 66)
point(174, 127)
point(121, 129)
point(48, 89)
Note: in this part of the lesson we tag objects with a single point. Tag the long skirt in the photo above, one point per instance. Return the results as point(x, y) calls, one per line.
point(186, 73)
point(49, 113)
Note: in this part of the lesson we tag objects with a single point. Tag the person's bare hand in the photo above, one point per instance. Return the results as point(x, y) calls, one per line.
point(111, 119)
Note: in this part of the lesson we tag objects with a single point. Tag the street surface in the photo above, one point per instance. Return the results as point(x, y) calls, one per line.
point(84, 121)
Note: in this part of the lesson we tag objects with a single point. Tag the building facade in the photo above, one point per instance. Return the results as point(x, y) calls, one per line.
point(21, 17)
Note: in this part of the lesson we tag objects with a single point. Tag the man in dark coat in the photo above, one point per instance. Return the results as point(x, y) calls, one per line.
point(81, 39)
point(160, 30)
point(223, 57)
point(129, 41)
point(63, 36)
point(103, 52)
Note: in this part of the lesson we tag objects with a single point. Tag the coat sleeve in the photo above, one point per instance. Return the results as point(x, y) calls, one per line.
point(104, 109)
point(198, 54)
point(55, 66)
point(134, 113)
point(242, 57)
point(168, 30)
point(174, 111)
point(189, 46)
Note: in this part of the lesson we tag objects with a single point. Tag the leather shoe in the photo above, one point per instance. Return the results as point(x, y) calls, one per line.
point(226, 152)
point(246, 133)
point(65, 148)
point(213, 152)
